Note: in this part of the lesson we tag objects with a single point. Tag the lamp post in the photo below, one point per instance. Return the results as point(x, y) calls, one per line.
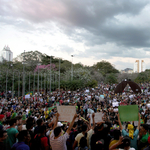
point(72, 69)
point(50, 76)
point(59, 76)
point(23, 91)
point(12, 82)
point(38, 80)
point(55, 81)
point(6, 83)
point(19, 85)
point(41, 82)
point(34, 84)
point(44, 83)
point(29, 81)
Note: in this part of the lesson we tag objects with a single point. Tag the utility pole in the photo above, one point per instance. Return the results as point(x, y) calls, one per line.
point(50, 76)
point(34, 84)
point(29, 81)
point(6, 83)
point(23, 92)
point(13, 87)
point(41, 82)
point(19, 85)
point(59, 75)
point(72, 69)
point(38, 76)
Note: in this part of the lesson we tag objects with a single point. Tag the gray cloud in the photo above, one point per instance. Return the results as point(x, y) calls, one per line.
point(93, 23)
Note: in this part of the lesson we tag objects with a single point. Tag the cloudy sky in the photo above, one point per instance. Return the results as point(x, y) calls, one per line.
point(117, 31)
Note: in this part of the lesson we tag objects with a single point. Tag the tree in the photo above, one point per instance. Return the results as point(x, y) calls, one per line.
point(111, 78)
point(105, 67)
point(142, 77)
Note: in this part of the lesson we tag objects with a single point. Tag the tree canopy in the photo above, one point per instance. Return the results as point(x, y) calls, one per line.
point(105, 67)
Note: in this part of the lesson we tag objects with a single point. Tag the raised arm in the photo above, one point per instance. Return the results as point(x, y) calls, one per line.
point(139, 123)
point(114, 146)
point(55, 123)
point(71, 124)
point(119, 121)
point(93, 115)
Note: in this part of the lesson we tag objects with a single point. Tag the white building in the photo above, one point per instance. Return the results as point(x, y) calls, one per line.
point(6, 54)
point(139, 66)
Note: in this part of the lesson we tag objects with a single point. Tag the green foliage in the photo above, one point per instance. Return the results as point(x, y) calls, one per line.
point(83, 76)
point(105, 67)
point(111, 78)
point(143, 77)
point(92, 83)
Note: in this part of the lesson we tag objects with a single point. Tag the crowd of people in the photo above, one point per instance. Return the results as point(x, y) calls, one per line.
point(32, 123)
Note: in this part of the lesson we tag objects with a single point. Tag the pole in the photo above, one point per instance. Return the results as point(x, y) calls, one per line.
point(34, 84)
point(50, 76)
point(59, 75)
point(13, 87)
point(19, 85)
point(23, 76)
point(41, 82)
point(38, 78)
point(72, 69)
point(6, 83)
point(44, 83)
point(29, 81)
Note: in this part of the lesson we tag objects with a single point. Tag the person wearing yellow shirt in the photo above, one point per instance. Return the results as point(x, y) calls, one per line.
point(46, 113)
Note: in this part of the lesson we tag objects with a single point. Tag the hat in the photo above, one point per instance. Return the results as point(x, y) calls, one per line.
point(59, 124)
point(1, 117)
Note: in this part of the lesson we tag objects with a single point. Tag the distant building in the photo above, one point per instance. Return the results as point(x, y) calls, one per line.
point(139, 66)
point(127, 70)
point(6, 54)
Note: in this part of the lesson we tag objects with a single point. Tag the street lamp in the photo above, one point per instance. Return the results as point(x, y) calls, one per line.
point(38, 76)
point(6, 83)
point(23, 91)
point(72, 69)
point(29, 81)
point(12, 82)
point(59, 75)
point(34, 83)
point(50, 76)
point(41, 82)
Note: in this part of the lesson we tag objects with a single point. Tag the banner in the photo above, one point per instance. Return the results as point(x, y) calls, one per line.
point(115, 104)
point(27, 96)
point(128, 113)
point(66, 113)
point(98, 117)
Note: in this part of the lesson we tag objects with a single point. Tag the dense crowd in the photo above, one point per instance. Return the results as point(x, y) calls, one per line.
point(33, 123)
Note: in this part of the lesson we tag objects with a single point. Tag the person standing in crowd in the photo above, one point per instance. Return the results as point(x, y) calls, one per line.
point(58, 141)
point(2, 117)
point(23, 138)
point(12, 134)
point(39, 124)
point(143, 137)
point(124, 143)
point(85, 133)
point(132, 134)
point(3, 137)
point(40, 141)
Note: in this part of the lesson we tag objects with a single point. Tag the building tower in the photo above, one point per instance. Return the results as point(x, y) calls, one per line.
point(6, 54)
point(139, 66)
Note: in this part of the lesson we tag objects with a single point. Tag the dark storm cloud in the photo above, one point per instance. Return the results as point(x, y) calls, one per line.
point(93, 23)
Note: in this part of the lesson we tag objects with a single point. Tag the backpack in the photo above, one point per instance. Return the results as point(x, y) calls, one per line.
point(36, 145)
